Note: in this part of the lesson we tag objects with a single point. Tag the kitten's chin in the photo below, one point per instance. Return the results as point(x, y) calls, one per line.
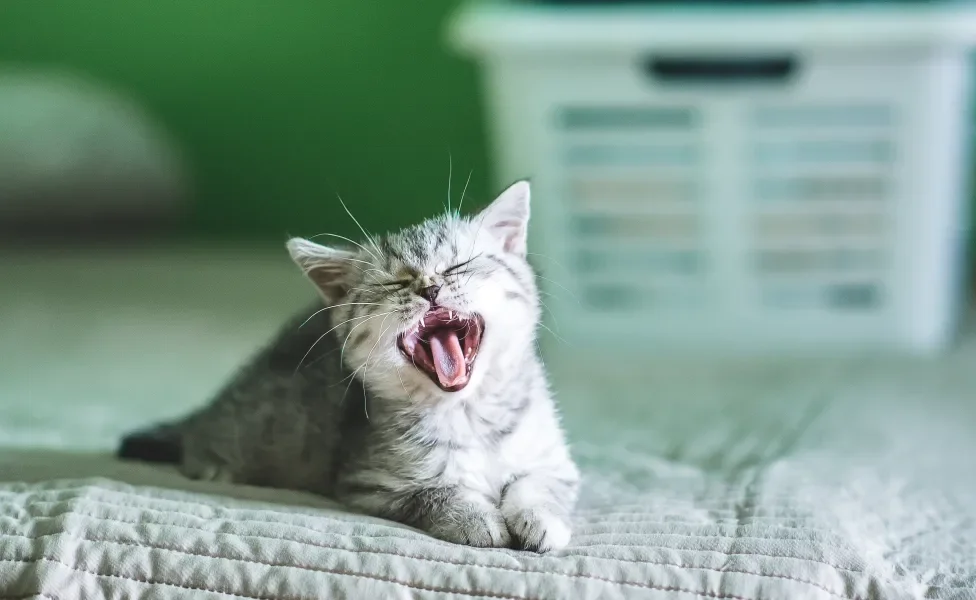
point(444, 346)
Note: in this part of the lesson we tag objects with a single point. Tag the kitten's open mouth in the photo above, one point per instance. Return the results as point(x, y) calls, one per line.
point(444, 345)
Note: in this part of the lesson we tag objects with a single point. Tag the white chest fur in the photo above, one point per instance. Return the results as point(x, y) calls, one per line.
point(473, 455)
point(469, 451)
point(476, 469)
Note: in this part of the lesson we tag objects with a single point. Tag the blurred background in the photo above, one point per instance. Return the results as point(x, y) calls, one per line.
point(155, 156)
point(271, 110)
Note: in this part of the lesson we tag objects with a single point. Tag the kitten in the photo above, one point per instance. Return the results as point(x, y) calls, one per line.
point(414, 394)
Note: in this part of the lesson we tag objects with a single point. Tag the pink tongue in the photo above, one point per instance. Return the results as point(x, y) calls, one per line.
point(448, 357)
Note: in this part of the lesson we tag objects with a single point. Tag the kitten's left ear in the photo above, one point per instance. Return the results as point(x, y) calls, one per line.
point(508, 217)
point(328, 268)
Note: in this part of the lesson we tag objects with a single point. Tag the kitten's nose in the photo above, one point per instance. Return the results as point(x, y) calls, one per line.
point(430, 292)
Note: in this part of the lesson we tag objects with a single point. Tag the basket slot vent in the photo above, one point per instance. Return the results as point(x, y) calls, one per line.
point(812, 116)
point(628, 118)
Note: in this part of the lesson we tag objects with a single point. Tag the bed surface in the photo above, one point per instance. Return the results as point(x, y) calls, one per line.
point(744, 480)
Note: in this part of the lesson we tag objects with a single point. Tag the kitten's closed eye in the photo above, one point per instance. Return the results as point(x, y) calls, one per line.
point(456, 269)
point(399, 283)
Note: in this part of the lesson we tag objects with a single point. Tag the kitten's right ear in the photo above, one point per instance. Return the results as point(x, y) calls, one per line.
point(326, 267)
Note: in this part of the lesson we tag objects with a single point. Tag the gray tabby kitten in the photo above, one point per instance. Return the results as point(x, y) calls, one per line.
point(414, 394)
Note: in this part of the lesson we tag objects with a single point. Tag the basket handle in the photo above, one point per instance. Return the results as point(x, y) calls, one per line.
point(726, 70)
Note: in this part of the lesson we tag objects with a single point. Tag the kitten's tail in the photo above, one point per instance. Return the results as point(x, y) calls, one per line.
point(158, 444)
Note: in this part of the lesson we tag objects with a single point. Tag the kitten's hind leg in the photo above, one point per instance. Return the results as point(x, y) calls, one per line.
point(160, 444)
point(202, 465)
point(166, 444)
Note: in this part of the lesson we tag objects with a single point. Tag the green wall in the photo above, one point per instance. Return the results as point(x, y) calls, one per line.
point(279, 105)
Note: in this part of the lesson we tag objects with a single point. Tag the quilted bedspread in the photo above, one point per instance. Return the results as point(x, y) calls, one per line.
point(845, 479)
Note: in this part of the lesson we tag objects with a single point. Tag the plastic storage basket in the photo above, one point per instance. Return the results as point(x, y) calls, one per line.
point(758, 179)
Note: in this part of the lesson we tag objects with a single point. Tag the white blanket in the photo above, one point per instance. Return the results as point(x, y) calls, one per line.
point(848, 479)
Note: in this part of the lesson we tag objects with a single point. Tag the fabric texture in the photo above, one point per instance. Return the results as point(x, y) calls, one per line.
point(811, 480)
point(745, 480)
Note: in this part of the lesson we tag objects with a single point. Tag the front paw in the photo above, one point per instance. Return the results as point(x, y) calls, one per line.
point(538, 530)
point(473, 526)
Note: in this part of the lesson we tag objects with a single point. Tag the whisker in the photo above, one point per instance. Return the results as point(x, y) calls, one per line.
point(461, 202)
point(370, 292)
point(556, 335)
point(366, 364)
point(400, 377)
point(358, 268)
point(360, 246)
point(474, 241)
point(459, 265)
point(351, 378)
point(400, 283)
point(356, 221)
point(359, 260)
point(342, 352)
point(450, 174)
point(472, 271)
point(381, 272)
point(555, 321)
point(481, 223)
point(461, 273)
point(348, 377)
point(305, 322)
point(376, 280)
point(557, 284)
point(558, 264)
point(307, 352)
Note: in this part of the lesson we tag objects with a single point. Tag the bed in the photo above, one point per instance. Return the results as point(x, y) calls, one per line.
point(852, 478)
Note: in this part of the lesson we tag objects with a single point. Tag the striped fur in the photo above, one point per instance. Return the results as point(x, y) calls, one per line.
point(333, 407)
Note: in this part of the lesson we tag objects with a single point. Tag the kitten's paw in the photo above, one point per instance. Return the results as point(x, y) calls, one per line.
point(538, 530)
point(207, 472)
point(478, 527)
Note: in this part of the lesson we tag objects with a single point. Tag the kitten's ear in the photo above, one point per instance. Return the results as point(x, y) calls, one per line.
point(508, 217)
point(326, 267)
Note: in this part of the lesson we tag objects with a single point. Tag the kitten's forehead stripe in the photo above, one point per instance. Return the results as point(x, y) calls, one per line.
point(504, 265)
point(420, 245)
point(442, 233)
